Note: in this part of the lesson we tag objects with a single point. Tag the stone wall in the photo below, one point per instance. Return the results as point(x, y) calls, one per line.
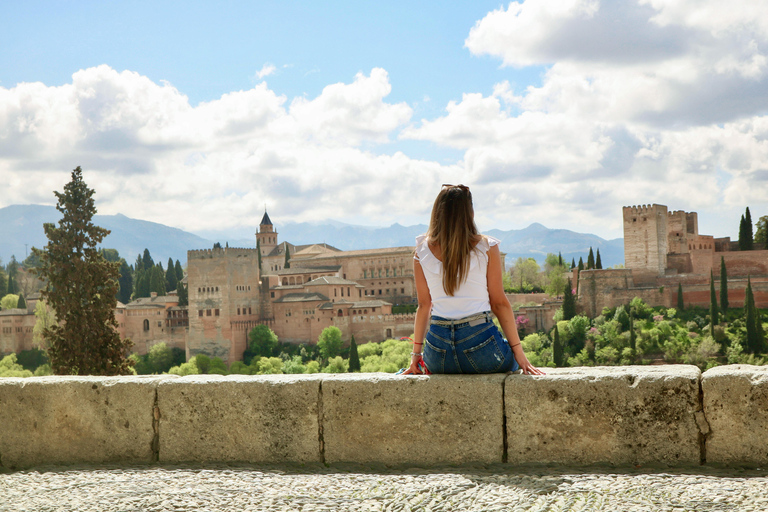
point(672, 415)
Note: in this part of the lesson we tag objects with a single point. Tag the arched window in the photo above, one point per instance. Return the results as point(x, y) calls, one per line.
point(285, 281)
point(146, 325)
point(340, 313)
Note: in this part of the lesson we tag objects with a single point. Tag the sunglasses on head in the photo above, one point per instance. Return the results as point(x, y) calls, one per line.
point(462, 187)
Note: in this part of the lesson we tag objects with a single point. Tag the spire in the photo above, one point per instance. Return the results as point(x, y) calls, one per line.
point(265, 220)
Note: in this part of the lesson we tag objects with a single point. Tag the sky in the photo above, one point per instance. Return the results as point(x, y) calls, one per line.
point(200, 115)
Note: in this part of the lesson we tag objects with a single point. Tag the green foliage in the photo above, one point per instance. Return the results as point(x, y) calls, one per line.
point(81, 287)
point(354, 358)
point(287, 263)
point(32, 359)
point(10, 301)
point(170, 276)
point(369, 349)
point(329, 342)
point(723, 286)
point(43, 370)
point(714, 312)
point(525, 278)
point(761, 235)
point(558, 355)
point(390, 356)
point(680, 303)
point(218, 366)
point(336, 365)
point(179, 272)
point(270, 365)
point(313, 367)
point(21, 304)
point(188, 368)
point(294, 365)
point(598, 261)
point(569, 301)
point(590, 260)
point(640, 309)
point(10, 368)
point(160, 358)
point(746, 239)
point(262, 341)
point(203, 362)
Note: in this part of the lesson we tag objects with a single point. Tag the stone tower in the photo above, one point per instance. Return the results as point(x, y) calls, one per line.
point(645, 241)
point(267, 236)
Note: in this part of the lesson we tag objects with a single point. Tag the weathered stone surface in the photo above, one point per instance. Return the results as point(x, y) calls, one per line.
point(68, 420)
point(265, 418)
point(421, 420)
point(616, 415)
point(736, 408)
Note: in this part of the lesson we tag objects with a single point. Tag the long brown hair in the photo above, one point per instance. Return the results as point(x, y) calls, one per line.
point(452, 227)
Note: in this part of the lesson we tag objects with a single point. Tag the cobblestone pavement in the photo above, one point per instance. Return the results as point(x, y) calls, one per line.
point(312, 488)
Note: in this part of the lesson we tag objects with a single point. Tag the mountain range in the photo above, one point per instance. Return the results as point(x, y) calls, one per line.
point(21, 227)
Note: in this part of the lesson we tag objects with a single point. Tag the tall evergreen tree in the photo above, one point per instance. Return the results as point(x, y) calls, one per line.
point(590, 260)
point(723, 286)
point(560, 259)
point(179, 272)
point(680, 303)
point(581, 264)
point(22, 304)
point(598, 261)
point(13, 271)
point(748, 231)
point(126, 283)
point(258, 252)
point(632, 333)
point(81, 288)
point(569, 302)
point(3, 282)
point(12, 287)
point(147, 260)
point(573, 263)
point(183, 295)
point(558, 354)
point(354, 358)
point(754, 344)
point(170, 276)
point(714, 314)
point(157, 280)
point(742, 234)
point(287, 257)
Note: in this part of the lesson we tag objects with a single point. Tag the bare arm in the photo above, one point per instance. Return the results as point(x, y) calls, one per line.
point(422, 315)
point(503, 311)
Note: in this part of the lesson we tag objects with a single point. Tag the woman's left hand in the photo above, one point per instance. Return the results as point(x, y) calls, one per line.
point(414, 369)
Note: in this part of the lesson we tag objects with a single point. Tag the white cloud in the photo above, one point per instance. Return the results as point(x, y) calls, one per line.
point(151, 155)
point(266, 70)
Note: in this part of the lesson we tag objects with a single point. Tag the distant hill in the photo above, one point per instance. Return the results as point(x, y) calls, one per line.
point(23, 224)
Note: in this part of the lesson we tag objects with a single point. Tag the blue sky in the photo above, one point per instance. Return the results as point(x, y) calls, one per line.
point(560, 111)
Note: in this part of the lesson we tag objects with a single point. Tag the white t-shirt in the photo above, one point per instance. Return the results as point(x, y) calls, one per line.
point(472, 295)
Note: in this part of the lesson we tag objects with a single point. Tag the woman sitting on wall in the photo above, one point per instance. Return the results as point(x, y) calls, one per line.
point(458, 283)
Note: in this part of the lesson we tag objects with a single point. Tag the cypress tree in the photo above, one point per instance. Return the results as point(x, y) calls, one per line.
point(287, 257)
point(12, 288)
point(632, 333)
point(714, 314)
point(22, 304)
point(147, 260)
point(723, 286)
point(3, 282)
point(573, 263)
point(170, 276)
point(557, 349)
point(680, 303)
point(598, 261)
point(560, 259)
point(749, 245)
point(742, 234)
point(754, 344)
point(354, 359)
point(157, 280)
point(581, 264)
point(258, 252)
point(179, 272)
point(183, 295)
point(80, 287)
point(590, 260)
point(569, 302)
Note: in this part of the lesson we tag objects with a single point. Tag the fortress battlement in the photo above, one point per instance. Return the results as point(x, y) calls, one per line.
point(199, 254)
point(643, 209)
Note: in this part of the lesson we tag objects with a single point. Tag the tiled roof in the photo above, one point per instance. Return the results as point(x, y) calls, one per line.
point(332, 280)
point(307, 270)
point(302, 297)
point(157, 302)
point(371, 304)
point(366, 252)
point(265, 219)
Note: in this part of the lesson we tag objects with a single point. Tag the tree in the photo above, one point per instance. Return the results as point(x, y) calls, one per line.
point(287, 257)
point(170, 276)
point(12, 287)
point(714, 313)
point(3, 282)
point(329, 342)
point(745, 232)
point(573, 263)
point(723, 286)
point(160, 358)
point(81, 288)
point(258, 252)
point(147, 261)
point(13, 271)
point(632, 333)
point(126, 282)
point(581, 264)
point(526, 274)
point(761, 235)
point(179, 272)
point(354, 359)
point(181, 290)
point(44, 319)
point(569, 301)
point(680, 303)
point(590, 260)
point(157, 280)
point(262, 341)
point(754, 344)
point(22, 304)
point(598, 261)
point(560, 259)
point(10, 301)
point(558, 355)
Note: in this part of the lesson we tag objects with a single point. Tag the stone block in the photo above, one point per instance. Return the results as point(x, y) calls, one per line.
point(424, 420)
point(614, 415)
point(238, 418)
point(70, 420)
point(736, 408)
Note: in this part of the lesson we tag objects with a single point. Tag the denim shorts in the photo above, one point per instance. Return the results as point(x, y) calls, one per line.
point(466, 348)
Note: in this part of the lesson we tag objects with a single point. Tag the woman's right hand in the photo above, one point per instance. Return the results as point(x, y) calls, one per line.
point(414, 369)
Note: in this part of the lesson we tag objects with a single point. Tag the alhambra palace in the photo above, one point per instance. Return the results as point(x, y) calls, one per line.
point(355, 290)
